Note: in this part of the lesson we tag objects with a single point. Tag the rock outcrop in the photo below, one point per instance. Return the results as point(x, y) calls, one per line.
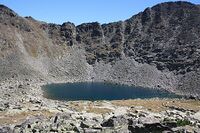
point(138, 121)
point(157, 48)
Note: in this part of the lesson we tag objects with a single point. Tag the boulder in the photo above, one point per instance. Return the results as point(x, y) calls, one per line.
point(115, 121)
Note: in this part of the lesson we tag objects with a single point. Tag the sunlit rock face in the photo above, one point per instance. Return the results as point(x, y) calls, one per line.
point(157, 48)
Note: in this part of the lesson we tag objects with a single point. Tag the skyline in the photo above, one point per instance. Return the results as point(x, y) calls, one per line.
point(79, 12)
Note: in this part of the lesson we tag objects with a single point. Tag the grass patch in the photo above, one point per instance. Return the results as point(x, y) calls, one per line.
point(98, 110)
point(183, 123)
point(77, 106)
point(158, 105)
point(6, 119)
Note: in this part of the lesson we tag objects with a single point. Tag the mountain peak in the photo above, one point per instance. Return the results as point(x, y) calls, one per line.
point(7, 11)
point(176, 3)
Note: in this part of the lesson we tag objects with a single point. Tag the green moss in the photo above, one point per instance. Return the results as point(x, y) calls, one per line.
point(183, 123)
point(178, 122)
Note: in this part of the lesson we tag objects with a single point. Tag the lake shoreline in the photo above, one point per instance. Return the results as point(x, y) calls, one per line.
point(26, 103)
point(92, 91)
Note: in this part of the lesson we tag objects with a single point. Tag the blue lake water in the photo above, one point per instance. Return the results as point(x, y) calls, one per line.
point(100, 91)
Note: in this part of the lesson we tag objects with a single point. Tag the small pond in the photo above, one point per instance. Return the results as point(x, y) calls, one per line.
point(100, 91)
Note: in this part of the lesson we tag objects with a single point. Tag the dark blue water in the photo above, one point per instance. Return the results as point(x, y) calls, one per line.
point(100, 91)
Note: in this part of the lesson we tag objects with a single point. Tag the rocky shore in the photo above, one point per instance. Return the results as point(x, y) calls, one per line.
point(24, 110)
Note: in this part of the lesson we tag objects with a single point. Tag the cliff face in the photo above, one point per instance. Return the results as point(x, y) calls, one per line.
point(158, 48)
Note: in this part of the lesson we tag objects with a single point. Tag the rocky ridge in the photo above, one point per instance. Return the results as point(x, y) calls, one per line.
point(160, 44)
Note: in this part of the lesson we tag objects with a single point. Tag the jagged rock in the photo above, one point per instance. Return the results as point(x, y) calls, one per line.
point(146, 128)
point(148, 120)
point(196, 116)
point(92, 131)
point(20, 86)
point(108, 123)
point(114, 121)
point(2, 109)
point(6, 105)
point(5, 130)
point(55, 119)
point(186, 129)
point(7, 11)
point(35, 101)
point(83, 125)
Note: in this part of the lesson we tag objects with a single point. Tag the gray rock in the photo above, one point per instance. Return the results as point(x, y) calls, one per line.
point(5, 130)
point(115, 121)
point(148, 120)
point(83, 125)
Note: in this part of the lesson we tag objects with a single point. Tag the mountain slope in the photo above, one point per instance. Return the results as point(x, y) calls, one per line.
point(157, 48)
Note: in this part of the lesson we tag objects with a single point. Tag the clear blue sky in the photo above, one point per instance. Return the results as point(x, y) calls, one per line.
point(80, 11)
